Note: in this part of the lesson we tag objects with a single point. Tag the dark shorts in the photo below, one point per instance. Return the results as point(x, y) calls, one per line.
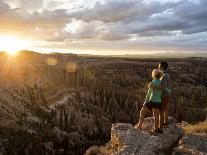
point(151, 105)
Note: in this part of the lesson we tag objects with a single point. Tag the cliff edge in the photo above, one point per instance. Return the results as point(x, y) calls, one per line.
point(127, 139)
point(177, 139)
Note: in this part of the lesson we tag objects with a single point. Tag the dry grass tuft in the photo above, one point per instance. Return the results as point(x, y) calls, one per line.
point(197, 128)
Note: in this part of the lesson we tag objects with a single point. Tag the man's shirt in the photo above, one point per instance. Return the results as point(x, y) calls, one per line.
point(166, 82)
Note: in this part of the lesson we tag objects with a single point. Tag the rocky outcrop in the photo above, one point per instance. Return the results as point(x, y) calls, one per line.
point(192, 144)
point(128, 140)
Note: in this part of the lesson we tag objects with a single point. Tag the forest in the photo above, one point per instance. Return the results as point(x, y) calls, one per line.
point(64, 103)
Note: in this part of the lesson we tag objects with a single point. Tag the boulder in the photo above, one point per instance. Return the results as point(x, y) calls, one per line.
point(192, 144)
point(127, 139)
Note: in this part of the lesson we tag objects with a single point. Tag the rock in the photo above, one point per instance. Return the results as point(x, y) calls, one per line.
point(60, 151)
point(186, 150)
point(59, 134)
point(195, 140)
point(192, 144)
point(182, 124)
point(62, 136)
point(94, 150)
point(127, 140)
point(37, 140)
point(74, 138)
point(48, 146)
point(149, 123)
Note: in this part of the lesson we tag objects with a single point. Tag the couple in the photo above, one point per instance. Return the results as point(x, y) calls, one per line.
point(157, 98)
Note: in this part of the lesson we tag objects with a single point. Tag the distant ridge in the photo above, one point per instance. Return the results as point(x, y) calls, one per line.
point(148, 55)
point(165, 55)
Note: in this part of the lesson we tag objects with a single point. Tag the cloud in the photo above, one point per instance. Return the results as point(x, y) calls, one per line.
point(54, 4)
point(50, 19)
point(117, 10)
point(97, 30)
point(26, 4)
point(124, 11)
point(140, 17)
point(195, 15)
point(112, 23)
point(41, 24)
point(4, 6)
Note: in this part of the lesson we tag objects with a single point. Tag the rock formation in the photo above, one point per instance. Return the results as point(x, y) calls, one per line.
point(128, 140)
point(192, 144)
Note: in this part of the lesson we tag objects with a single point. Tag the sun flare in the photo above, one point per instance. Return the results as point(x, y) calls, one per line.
point(12, 44)
point(12, 52)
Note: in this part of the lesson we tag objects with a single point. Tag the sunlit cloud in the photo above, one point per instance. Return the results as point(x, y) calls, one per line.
point(106, 25)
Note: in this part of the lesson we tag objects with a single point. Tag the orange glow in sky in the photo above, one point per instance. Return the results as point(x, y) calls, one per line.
point(12, 44)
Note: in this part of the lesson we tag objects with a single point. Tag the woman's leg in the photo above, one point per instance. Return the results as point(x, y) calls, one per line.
point(142, 116)
point(156, 115)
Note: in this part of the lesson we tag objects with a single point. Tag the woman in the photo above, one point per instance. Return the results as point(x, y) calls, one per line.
point(152, 102)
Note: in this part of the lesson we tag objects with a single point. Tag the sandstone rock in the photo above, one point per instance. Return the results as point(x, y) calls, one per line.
point(48, 146)
point(149, 123)
point(127, 140)
point(94, 150)
point(195, 140)
point(59, 134)
point(186, 150)
point(74, 138)
point(192, 144)
point(182, 124)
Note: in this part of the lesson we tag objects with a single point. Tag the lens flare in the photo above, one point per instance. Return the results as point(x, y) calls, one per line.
point(52, 61)
point(71, 67)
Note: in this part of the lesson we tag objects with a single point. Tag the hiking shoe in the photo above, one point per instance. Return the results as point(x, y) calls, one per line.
point(139, 129)
point(159, 131)
point(153, 132)
point(165, 125)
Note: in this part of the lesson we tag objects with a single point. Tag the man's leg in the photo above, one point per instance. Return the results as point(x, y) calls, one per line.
point(161, 116)
point(156, 115)
point(166, 109)
point(142, 115)
point(161, 119)
point(166, 116)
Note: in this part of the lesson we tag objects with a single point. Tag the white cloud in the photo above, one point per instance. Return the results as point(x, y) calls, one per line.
point(30, 5)
point(116, 24)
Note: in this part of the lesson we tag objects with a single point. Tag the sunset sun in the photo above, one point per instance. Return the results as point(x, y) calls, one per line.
point(12, 44)
point(12, 52)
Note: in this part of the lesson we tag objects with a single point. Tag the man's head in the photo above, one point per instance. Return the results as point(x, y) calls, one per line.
point(163, 66)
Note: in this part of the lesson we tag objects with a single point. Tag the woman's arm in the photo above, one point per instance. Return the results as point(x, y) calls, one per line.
point(153, 86)
point(149, 92)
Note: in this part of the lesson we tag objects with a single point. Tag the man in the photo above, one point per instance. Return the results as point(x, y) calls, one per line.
point(166, 93)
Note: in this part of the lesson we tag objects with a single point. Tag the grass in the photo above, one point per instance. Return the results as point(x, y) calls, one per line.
point(197, 128)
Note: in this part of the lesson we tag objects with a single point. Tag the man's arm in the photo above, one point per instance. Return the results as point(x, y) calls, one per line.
point(153, 86)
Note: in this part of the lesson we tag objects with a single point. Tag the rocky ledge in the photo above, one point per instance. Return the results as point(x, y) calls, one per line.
point(192, 144)
point(128, 140)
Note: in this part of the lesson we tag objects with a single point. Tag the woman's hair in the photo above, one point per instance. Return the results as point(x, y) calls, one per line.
point(156, 74)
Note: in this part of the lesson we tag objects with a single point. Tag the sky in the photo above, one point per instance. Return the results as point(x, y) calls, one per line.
point(105, 26)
